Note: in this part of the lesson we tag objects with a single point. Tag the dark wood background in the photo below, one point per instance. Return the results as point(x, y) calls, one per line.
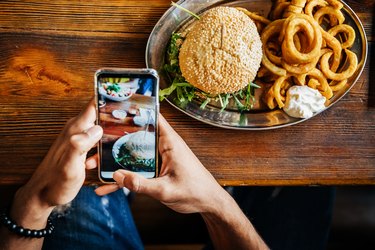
point(49, 51)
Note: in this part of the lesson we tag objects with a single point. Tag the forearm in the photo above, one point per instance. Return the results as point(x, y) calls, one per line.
point(229, 228)
point(28, 212)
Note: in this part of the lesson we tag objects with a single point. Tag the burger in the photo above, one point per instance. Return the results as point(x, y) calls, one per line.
point(222, 52)
point(218, 55)
point(138, 152)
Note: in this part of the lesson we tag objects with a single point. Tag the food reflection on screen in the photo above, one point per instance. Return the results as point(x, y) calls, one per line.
point(118, 89)
point(138, 152)
point(127, 114)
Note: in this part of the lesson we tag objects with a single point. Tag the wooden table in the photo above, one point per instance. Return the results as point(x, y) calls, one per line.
point(51, 49)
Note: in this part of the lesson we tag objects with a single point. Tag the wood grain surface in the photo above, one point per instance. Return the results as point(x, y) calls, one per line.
point(49, 51)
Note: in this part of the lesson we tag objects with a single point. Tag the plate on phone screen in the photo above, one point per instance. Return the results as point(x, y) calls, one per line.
point(136, 158)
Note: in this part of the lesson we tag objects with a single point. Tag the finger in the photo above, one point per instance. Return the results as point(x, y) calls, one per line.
point(107, 189)
point(83, 142)
point(168, 137)
point(88, 114)
point(137, 183)
point(92, 162)
point(164, 127)
point(74, 126)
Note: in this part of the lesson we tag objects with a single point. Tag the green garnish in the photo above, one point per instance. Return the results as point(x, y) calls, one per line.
point(254, 85)
point(185, 91)
point(114, 87)
point(225, 102)
point(239, 104)
point(203, 105)
point(221, 100)
point(186, 10)
point(172, 54)
point(125, 159)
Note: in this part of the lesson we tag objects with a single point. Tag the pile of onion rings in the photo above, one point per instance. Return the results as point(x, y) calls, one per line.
point(305, 42)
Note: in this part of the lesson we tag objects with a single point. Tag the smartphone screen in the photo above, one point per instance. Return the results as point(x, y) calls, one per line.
point(128, 106)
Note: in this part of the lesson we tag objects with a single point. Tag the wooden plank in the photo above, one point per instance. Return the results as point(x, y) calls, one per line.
point(98, 16)
point(108, 17)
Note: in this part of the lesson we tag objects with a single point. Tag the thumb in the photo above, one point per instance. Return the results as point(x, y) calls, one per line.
point(137, 183)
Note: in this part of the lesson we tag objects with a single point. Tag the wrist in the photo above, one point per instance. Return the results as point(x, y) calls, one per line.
point(229, 227)
point(28, 211)
point(221, 204)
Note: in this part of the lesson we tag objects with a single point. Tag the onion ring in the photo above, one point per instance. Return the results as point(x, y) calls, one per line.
point(309, 8)
point(254, 17)
point(335, 45)
point(299, 3)
point(289, 50)
point(295, 7)
point(279, 9)
point(335, 15)
point(292, 9)
point(323, 85)
point(300, 68)
point(269, 98)
point(336, 86)
point(270, 51)
point(279, 90)
point(313, 83)
point(269, 31)
point(348, 30)
point(305, 48)
point(266, 75)
point(353, 63)
point(335, 4)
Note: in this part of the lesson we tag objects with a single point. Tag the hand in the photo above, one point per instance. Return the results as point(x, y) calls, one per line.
point(184, 184)
point(61, 174)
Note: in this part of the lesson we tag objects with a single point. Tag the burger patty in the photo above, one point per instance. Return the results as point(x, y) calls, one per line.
point(222, 52)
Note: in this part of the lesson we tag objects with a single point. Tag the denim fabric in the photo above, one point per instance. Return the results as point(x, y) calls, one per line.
point(289, 218)
point(93, 222)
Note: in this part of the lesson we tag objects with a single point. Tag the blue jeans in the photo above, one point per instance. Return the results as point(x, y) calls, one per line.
point(93, 222)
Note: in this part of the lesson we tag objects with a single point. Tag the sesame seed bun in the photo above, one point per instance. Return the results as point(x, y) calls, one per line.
point(222, 51)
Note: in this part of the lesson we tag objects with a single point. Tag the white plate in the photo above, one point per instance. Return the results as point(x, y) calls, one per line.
point(103, 92)
point(116, 147)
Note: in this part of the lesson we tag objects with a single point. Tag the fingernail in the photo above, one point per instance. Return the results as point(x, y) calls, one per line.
point(119, 177)
point(95, 132)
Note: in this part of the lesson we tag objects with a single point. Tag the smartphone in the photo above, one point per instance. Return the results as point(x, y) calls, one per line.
point(127, 109)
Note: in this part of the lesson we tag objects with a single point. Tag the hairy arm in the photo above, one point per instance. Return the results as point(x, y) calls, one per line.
point(229, 228)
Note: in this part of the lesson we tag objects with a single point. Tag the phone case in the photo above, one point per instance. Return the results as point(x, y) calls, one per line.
point(127, 100)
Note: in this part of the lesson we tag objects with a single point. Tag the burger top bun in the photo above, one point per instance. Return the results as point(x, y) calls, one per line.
point(222, 51)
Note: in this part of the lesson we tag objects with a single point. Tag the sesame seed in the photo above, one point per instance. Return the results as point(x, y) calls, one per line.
point(222, 51)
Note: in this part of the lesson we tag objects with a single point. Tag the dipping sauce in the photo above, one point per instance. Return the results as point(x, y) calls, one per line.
point(303, 102)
